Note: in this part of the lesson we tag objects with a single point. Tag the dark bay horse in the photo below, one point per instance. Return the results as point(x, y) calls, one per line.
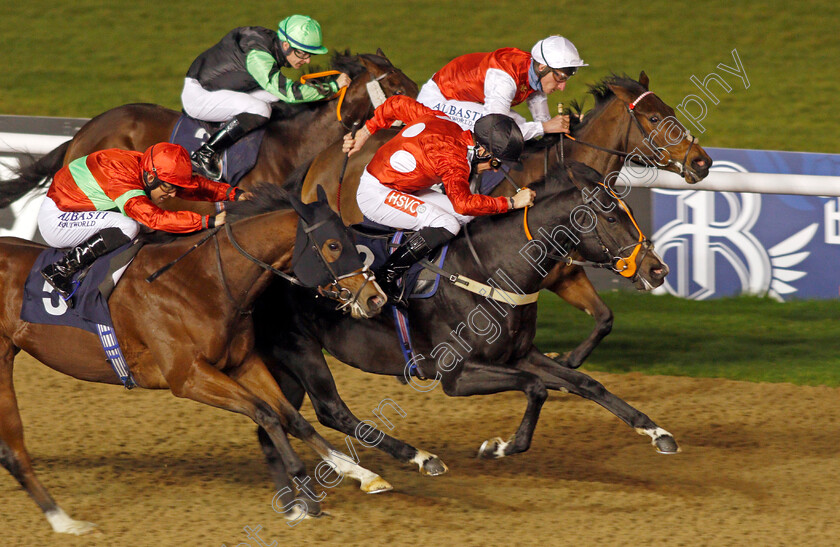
point(468, 344)
point(293, 139)
point(649, 132)
point(190, 331)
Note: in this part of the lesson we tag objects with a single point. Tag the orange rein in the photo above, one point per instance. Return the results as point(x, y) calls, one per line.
point(340, 93)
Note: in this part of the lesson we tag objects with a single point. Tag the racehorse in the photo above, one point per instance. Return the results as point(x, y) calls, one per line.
point(190, 331)
point(295, 138)
point(469, 344)
point(648, 132)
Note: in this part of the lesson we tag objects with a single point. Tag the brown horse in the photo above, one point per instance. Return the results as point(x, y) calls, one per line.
point(615, 130)
point(190, 331)
point(293, 139)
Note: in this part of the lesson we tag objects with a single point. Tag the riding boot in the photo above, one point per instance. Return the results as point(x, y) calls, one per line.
point(60, 274)
point(205, 160)
point(418, 246)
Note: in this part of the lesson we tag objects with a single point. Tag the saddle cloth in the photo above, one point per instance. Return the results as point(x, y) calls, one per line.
point(237, 160)
point(43, 305)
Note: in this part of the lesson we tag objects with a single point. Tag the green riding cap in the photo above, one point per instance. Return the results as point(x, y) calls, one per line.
point(302, 32)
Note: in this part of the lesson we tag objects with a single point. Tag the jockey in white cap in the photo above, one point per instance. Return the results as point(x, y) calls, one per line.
point(476, 84)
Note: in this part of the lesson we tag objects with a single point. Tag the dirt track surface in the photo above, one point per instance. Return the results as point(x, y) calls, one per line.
point(759, 466)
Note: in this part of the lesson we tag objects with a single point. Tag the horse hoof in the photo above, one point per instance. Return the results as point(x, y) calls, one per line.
point(376, 486)
point(492, 449)
point(433, 467)
point(552, 355)
point(81, 528)
point(63, 524)
point(666, 445)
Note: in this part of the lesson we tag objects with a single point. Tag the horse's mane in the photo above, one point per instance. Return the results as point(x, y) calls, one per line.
point(603, 95)
point(265, 197)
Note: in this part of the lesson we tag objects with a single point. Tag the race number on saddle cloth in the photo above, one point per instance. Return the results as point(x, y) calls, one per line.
point(43, 305)
point(476, 84)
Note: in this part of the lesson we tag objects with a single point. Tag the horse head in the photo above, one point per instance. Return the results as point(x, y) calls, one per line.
point(650, 133)
point(325, 257)
point(609, 235)
point(374, 80)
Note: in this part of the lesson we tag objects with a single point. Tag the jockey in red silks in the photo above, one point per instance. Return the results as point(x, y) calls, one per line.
point(476, 84)
point(238, 79)
point(395, 187)
point(97, 203)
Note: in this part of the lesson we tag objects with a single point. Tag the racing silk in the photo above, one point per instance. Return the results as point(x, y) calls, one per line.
point(430, 149)
point(250, 58)
point(498, 80)
point(111, 180)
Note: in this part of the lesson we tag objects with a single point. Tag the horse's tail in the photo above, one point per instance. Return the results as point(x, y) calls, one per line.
point(33, 175)
point(294, 182)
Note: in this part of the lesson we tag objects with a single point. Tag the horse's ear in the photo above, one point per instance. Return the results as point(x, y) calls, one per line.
point(380, 52)
point(622, 93)
point(322, 194)
point(303, 210)
point(644, 80)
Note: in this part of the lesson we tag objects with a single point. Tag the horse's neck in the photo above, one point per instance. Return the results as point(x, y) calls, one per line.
point(609, 129)
point(244, 279)
point(508, 252)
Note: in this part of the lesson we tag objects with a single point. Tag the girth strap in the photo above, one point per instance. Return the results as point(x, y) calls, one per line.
point(473, 286)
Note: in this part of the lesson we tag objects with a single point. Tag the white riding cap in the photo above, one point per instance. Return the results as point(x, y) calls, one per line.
point(556, 52)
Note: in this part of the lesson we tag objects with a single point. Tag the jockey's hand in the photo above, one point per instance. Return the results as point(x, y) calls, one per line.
point(244, 196)
point(352, 145)
point(524, 198)
point(343, 80)
point(219, 219)
point(557, 124)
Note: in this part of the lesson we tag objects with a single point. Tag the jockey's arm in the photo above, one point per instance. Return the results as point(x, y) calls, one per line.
point(455, 172)
point(141, 209)
point(395, 108)
point(262, 66)
point(210, 190)
point(499, 92)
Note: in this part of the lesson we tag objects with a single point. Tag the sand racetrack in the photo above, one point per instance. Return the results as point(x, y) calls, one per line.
point(759, 466)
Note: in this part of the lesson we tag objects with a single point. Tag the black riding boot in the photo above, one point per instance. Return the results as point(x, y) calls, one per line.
point(405, 256)
point(205, 160)
point(60, 274)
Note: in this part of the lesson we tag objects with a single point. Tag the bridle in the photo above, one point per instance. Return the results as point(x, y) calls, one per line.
point(646, 138)
point(334, 289)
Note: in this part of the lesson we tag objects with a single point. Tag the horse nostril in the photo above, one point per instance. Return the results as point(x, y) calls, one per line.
point(375, 302)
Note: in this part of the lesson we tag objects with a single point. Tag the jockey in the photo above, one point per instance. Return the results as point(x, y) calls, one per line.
point(97, 203)
point(476, 84)
point(236, 81)
point(395, 187)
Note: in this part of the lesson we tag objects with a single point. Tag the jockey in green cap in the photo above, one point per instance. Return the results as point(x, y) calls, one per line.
point(236, 81)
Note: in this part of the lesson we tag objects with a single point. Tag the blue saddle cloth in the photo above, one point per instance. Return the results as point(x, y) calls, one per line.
point(237, 160)
point(419, 283)
point(42, 305)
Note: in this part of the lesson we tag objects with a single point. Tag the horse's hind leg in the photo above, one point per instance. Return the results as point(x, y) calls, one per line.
point(560, 378)
point(255, 377)
point(572, 285)
point(13, 455)
point(307, 362)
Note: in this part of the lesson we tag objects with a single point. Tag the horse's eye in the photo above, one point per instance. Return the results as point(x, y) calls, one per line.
point(654, 119)
point(335, 246)
point(398, 92)
point(612, 220)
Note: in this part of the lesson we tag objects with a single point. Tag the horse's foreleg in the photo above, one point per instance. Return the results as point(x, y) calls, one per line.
point(560, 378)
point(480, 379)
point(15, 458)
point(307, 363)
point(255, 377)
point(203, 383)
point(572, 285)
